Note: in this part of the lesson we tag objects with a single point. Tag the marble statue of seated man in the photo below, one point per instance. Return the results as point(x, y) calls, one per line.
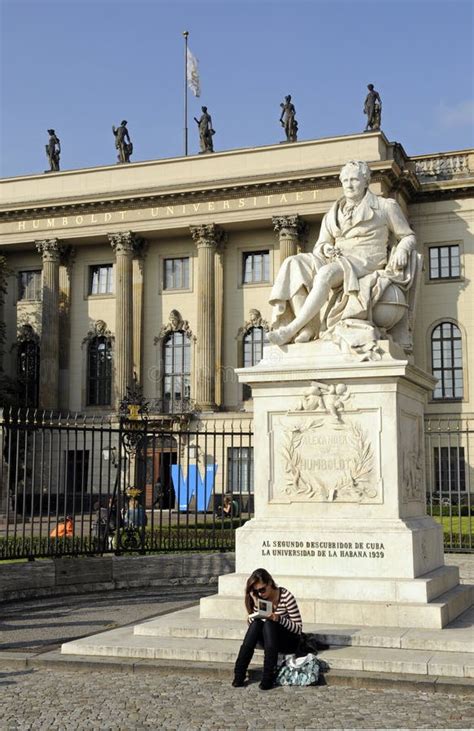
point(365, 247)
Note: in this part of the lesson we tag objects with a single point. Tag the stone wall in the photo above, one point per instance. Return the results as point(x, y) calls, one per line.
point(104, 573)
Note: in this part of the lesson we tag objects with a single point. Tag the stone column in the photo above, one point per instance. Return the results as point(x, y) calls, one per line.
point(291, 230)
point(124, 244)
point(3, 325)
point(207, 238)
point(137, 277)
point(67, 257)
point(219, 315)
point(49, 353)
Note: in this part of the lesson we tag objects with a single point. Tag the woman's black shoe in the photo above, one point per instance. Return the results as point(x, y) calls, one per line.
point(237, 683)
point(266, 685)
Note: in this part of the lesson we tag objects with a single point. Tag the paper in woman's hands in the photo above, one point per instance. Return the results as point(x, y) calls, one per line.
point(263, 609)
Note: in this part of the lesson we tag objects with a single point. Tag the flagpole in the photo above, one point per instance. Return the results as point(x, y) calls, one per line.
point(185, 34)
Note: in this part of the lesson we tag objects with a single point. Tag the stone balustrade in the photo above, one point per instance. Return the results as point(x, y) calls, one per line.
point(443, 167)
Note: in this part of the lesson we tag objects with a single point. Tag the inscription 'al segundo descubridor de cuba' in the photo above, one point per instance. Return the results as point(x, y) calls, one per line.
point(325, 457)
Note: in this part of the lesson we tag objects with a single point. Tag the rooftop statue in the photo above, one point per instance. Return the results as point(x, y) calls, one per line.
point(362, 270)
point(205, 131)
point(122, 142)
point(373, 109)
point(53, 151)
point(288, 120)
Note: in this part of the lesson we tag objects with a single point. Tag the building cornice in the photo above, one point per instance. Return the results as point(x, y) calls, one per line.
point(387, 171)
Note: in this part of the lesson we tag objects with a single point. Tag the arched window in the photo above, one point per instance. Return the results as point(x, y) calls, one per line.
point(99, 371)
point(253, 342)
point(176, 372)
point(446, 361)
point(28, 363)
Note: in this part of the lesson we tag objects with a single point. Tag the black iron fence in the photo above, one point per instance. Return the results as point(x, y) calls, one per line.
point(449, 449)
point(81, 485)
point(145, 483)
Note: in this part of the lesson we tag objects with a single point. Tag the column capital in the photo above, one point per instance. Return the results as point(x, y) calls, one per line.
point(50, 249)
point(208, 235)
point(292, 225)
point(125, 242)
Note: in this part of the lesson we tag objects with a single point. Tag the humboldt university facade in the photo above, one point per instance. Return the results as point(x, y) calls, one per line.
point(160, 272)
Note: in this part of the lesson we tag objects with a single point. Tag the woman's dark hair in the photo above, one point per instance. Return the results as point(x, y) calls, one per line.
point(263, 577)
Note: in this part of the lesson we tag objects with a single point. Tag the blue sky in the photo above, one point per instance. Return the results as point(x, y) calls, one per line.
point(80, 66)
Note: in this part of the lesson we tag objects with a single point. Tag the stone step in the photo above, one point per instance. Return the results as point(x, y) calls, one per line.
point(423, 589)
point(125, 643)
point(434, 614)
point(187, 623)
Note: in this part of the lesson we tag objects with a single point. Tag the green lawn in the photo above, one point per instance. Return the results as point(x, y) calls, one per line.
point(456, 525)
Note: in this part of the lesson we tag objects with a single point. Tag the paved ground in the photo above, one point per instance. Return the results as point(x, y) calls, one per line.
point(47, 698)
point(41, 625)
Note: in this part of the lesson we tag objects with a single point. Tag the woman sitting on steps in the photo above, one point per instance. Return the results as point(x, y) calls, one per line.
point(279, 632)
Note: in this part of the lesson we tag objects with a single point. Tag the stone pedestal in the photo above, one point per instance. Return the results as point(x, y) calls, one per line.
point(340, 514)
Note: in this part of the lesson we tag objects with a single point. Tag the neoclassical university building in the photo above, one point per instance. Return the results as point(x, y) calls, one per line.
point(160, 271)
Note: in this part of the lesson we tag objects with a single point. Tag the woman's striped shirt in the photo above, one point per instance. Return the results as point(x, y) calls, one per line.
point(287, 608)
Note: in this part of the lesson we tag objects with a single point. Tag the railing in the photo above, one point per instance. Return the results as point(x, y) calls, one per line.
point(442, 167)
point(72, 486)
point(77, 485)
point(449, 479)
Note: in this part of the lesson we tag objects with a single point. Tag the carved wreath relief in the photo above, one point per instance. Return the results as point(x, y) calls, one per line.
point(326, 458)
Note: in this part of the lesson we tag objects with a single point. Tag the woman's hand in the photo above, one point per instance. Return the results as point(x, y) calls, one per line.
point(274, 617)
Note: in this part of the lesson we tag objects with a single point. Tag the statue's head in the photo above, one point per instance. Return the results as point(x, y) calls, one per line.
point(254, 316)
point(175, 319)
point(51, 132)
point(123, 123)
point(370, 87)
point(204, 109)
point(288, 98)
point(355, 177)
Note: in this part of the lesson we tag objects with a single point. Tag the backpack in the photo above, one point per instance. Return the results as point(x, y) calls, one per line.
point(309, 643)
point(299, 670)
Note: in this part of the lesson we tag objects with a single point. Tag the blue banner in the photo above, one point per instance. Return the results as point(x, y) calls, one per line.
point(193, 486)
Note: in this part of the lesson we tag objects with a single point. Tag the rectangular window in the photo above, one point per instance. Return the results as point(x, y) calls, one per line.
point(445, 262)
point(101, 279)
point(176, 273)
point(449, 470)
point(77, 471)
point(256, 267)
point(240, 470)
point(29, 285)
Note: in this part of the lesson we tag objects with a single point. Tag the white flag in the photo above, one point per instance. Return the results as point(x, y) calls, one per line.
point(193, 74)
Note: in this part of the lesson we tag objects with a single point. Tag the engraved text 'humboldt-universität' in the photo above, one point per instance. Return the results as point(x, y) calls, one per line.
point(171, 211)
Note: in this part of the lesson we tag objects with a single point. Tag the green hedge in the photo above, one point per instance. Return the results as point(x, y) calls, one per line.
point(185, 538)
point(447, 510)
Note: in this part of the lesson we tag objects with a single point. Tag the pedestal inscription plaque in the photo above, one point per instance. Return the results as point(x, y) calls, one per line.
point(315, 457)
